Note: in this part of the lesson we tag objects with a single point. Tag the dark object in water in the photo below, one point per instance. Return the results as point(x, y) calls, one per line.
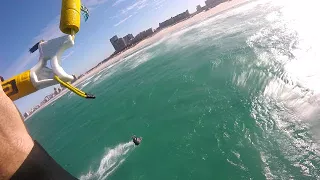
point(136, 140)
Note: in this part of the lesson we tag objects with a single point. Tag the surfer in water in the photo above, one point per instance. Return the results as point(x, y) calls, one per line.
point(136, 140)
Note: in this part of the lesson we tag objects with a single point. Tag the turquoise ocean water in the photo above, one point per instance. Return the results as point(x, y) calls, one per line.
point(233, 97)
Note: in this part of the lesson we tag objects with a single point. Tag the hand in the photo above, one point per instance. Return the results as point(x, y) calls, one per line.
point(15, 141)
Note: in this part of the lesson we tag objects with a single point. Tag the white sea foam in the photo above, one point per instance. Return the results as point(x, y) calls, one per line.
point(97, 78)
point(287, 70)
point(110, 161)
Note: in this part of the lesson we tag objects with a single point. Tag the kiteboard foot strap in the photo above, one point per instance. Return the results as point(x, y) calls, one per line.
point(40, 165)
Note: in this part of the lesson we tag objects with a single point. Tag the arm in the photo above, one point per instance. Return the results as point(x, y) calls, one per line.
point(15, 141)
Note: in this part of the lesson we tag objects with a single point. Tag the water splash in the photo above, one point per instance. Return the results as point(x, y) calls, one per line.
point(111, 160)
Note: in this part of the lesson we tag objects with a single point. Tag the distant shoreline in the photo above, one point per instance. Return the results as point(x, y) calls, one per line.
point(162, 33)
point(148, 41)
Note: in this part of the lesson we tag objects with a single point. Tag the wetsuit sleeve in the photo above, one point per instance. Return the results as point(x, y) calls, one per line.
point(40, 165)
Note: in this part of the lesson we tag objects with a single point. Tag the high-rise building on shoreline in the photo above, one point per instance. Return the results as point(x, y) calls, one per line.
point(120, 44)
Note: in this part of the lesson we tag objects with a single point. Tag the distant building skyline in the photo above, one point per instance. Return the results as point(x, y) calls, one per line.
point(118, 43)
point(213, 3)
point(174, 20)
point(199, 8)
point(46, 99)
point(128, 38)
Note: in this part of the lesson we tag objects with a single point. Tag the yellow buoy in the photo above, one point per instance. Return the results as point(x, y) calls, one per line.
point(70, 16)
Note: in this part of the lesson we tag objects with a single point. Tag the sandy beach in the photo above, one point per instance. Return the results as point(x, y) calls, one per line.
point(159, 35)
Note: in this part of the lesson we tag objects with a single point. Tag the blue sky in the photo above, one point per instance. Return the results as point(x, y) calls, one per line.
point(24, 23)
